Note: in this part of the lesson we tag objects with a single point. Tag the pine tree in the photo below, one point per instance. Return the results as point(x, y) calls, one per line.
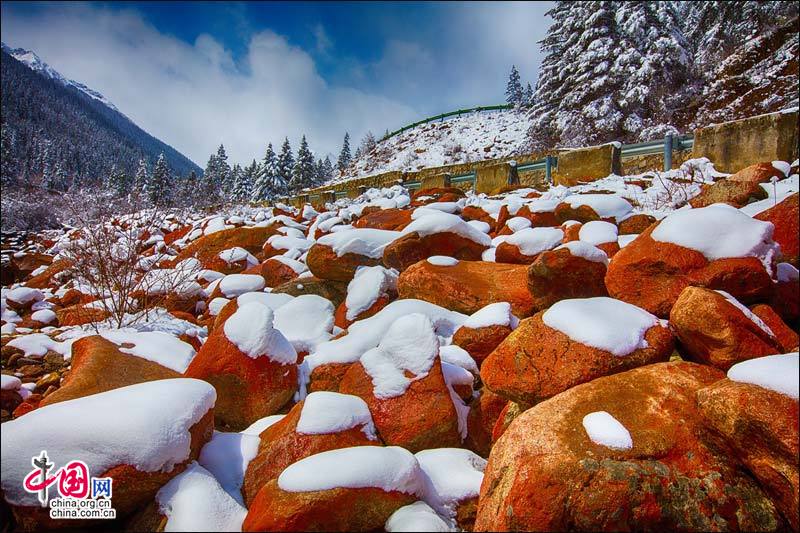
point(265, 185)
point(118, 182)
point(527, 98)
point(319, 173)
point(367, 145)
point(48, 168)
point(61, 177)
point(514, 88)
point(210, 184)
point(344, 156)
point(190, 189)
point(141, 178)
point(159, 186)
point(327, 169)
point(303, 171)
point(284, 166)
point(224, 176)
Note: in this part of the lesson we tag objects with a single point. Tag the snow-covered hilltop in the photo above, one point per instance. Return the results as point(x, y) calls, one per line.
point(473, 137)
point(35, 63)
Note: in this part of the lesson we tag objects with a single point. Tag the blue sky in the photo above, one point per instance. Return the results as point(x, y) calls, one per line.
point(197, 74)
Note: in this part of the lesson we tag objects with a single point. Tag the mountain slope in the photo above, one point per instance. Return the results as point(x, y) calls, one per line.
point(55, 125)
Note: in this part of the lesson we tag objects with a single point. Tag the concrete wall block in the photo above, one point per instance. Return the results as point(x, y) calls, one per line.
point(492, 178)
point(732, 146)
point(587, 164)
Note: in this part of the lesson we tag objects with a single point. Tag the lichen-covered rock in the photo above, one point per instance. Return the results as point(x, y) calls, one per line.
point(546, 473)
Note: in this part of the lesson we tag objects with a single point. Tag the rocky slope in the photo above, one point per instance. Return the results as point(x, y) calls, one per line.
point(615, 355)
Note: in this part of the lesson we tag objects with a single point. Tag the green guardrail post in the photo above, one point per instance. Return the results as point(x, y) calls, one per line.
point(548, 168)
point(668, 153)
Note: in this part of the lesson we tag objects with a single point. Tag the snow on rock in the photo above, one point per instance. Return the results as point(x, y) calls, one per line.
point(267, 299)
point(195, 501)
point(783, 167)
point(362, 241)
point(605, 430)
point(455, 375)
point(390, 468)
point(24, 295)
point(226, 456)
point(284, 242)
point(367, 333)
point(368, 284)
point(458, 356)
point(496, 314)
point(625, 240)
point(251, 329)
point(410, 346)
point(156, 346)
point(605, 205)
point(603, 323)
point(233, 285)
point(257, 427)
point(518, 223)
point(446, 223)
point(718, 232)
point(237, 254)
point(480, 225)
point(38, 344)
point(9, 382)
point(787, 272)
point(331, 412)
point(585, 250)
point(144, 425)
point(442, 260)
point(779, 373)
point(747, 312)
point(598, 232)
point(43, 316)
point(297, 266)
point(216, 305)
point(306, 321)
point(533, 241)
point(419, 516)
point(455, 475)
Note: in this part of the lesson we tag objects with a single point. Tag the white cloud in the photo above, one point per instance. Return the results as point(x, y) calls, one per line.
point(195, 96)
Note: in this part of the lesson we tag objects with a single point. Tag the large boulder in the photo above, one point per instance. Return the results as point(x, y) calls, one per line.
point(323, 421)
point(761, 427)
point(250, 363)
point(524, 246)
point(387, 219)
point(337, 256)
point(402, 382)
point(715, 329)
point(208, 247)
point(758, 173)
point(484, 330)
point(484, 411)
point(435, 234)
point(573, 342)
point(787, 338)
point(716, 247)
point(575, 269)
point(623, 452)
point(335, 291)
point(467, 286)
point(130, 434)
point(786, 218)
point(735, 193)
point(350, 489)
point(99, 365)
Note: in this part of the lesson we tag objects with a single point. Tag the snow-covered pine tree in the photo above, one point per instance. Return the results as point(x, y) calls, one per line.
point(284, 166)
point(210, 183)
point(118, 182)
point(141, 178)
point(303, 171)
point(367, 144)
point(236, 187)
point(514, 93)
point(224, 174)
point(159, 186)
point(327, 168)
point(319, 173)
point(48, 167)
point(345, 158)
point(61, 177)
point(527, 98)
point(264, 185)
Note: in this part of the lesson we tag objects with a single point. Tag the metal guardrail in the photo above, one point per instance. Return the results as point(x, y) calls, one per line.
point(443, 116)
point(667, 146)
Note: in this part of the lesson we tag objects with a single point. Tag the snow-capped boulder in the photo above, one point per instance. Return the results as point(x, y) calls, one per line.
point(715, 329)
point(785, 216)
point(575, 269)
point(338, 255)
point(573, 342)
point(467, 286)
point(716, 247)
point(522, 247)
point(250, 363)
point(485, 329)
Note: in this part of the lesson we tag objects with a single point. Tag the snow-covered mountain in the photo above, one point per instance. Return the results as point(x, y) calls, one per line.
point(36, 64)
point(62, 130)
